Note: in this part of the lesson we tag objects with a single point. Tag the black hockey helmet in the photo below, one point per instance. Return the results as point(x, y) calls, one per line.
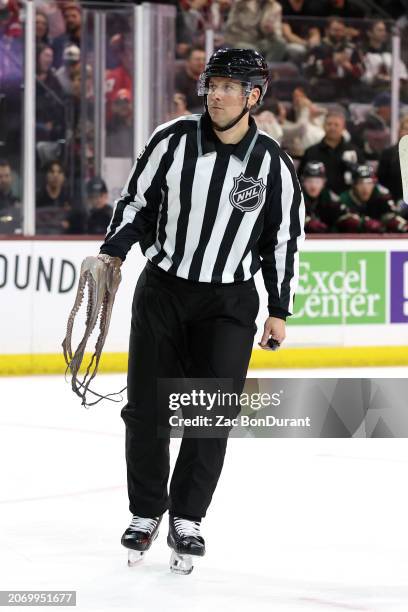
point(363, 172)
point(315, 169)
point(245, 65)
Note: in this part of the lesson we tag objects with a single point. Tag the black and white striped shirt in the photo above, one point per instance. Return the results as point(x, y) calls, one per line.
point(214, 213)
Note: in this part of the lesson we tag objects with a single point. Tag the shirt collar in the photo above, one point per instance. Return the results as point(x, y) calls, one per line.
point(209, 138)
point(339, 146)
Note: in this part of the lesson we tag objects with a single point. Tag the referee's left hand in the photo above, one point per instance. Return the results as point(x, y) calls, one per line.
point(273, 327)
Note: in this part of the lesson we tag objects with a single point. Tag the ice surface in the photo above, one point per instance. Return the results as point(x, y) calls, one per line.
point(295, 524)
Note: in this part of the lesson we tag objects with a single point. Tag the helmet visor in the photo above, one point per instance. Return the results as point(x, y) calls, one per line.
point(206, 86)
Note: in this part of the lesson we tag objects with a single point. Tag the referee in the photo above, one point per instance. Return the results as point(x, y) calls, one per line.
point(211, 200)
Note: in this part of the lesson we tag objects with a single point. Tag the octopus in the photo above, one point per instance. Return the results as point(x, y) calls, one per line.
point(101, 276)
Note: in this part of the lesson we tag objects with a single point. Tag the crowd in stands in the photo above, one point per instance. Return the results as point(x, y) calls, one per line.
point(329, 101)
point(328, 105)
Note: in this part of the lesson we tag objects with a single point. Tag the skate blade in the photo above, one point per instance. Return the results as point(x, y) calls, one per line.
point(136, 556)
point(181, 564)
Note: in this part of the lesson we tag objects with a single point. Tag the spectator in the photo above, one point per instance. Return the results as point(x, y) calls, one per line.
point(335, 152)
point(219, 11)
point(51, 8)
point(179, 106)
point(118, 25)
point(71, 66)
point(296, 30)
point(302, 104)
point(10, 23)
point(293, 135)
point(45, 56)
point(369, 206)
point(303, 126)
point(10, 206)
point(11, 48)
point(380, 117)
point(191, 21)
point(119, 138)
point(268, 118)
point(121, 76)
point(183, 41)
point(11, 81)
point(194, 16)
point(7, 198)
point(274, 121)
point(41, 28)
point(300, 38)
point(257, 24)
point(335, 66)
point(53, 193)
point(378, 60)
point(79, 131)
point(323, 206)
point(71, 12)
point(52, 202)
point(186, 78)
point(389, 173)
point(100, 211)
point(50, 123)
point(373, 134)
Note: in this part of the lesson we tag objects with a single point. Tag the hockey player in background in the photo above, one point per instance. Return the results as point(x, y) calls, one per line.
point(323, 206)
point(211, 200)
point(369, 206)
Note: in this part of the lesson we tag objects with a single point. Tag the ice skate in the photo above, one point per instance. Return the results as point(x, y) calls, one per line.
point(139, 536)
point(186, 542)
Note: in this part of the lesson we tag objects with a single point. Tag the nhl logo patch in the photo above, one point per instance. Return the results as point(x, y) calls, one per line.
point(246, 195)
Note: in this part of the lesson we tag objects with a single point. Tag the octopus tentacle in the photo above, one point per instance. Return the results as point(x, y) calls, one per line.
point(101, 276)
point(92, 316)
point(98, 347)
point(77, 304)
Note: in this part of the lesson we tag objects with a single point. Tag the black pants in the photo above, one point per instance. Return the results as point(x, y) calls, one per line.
point(181, 328)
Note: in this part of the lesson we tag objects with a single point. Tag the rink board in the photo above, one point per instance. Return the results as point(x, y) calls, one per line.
point(351, 305)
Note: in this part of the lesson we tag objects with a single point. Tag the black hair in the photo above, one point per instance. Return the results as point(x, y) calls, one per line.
point(43, 14)
point(48, 166)
point(194, 48)
point(334, 19)
point(40, 47)
point(372, 24)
